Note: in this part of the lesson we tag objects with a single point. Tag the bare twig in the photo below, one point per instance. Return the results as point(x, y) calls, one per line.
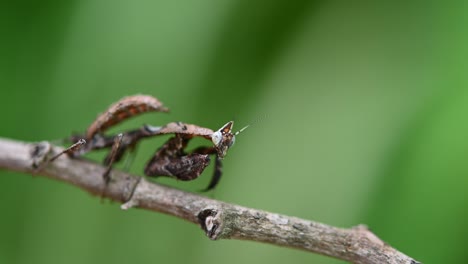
point(219, 220)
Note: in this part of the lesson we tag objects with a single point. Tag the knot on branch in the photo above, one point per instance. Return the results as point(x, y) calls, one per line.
point(39, 153)
point(210, 221)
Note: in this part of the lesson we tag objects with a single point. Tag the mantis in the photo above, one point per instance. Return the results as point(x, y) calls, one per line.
point(171, 159)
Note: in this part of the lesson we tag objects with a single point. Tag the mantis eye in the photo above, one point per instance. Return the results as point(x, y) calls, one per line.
point(216, 138)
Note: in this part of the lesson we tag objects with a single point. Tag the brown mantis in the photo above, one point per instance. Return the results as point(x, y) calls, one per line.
point(171, 159)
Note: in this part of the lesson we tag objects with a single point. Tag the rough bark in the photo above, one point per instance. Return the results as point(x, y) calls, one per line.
point(219, 220)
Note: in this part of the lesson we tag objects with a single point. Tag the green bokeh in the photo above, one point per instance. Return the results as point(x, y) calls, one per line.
point(359, 115)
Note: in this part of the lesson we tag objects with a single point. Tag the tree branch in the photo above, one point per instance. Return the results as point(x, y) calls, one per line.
point(219, 220)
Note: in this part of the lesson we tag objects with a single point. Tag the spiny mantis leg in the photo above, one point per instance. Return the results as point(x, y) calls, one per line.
point(113, 154)
point(171, 160)
point(72, 149)
point(99, 141)
point(132, 137)
point(129, 141)
point(218, 168)
point(216, 175)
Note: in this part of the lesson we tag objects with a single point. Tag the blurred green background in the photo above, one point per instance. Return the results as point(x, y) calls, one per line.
point(359, 111)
